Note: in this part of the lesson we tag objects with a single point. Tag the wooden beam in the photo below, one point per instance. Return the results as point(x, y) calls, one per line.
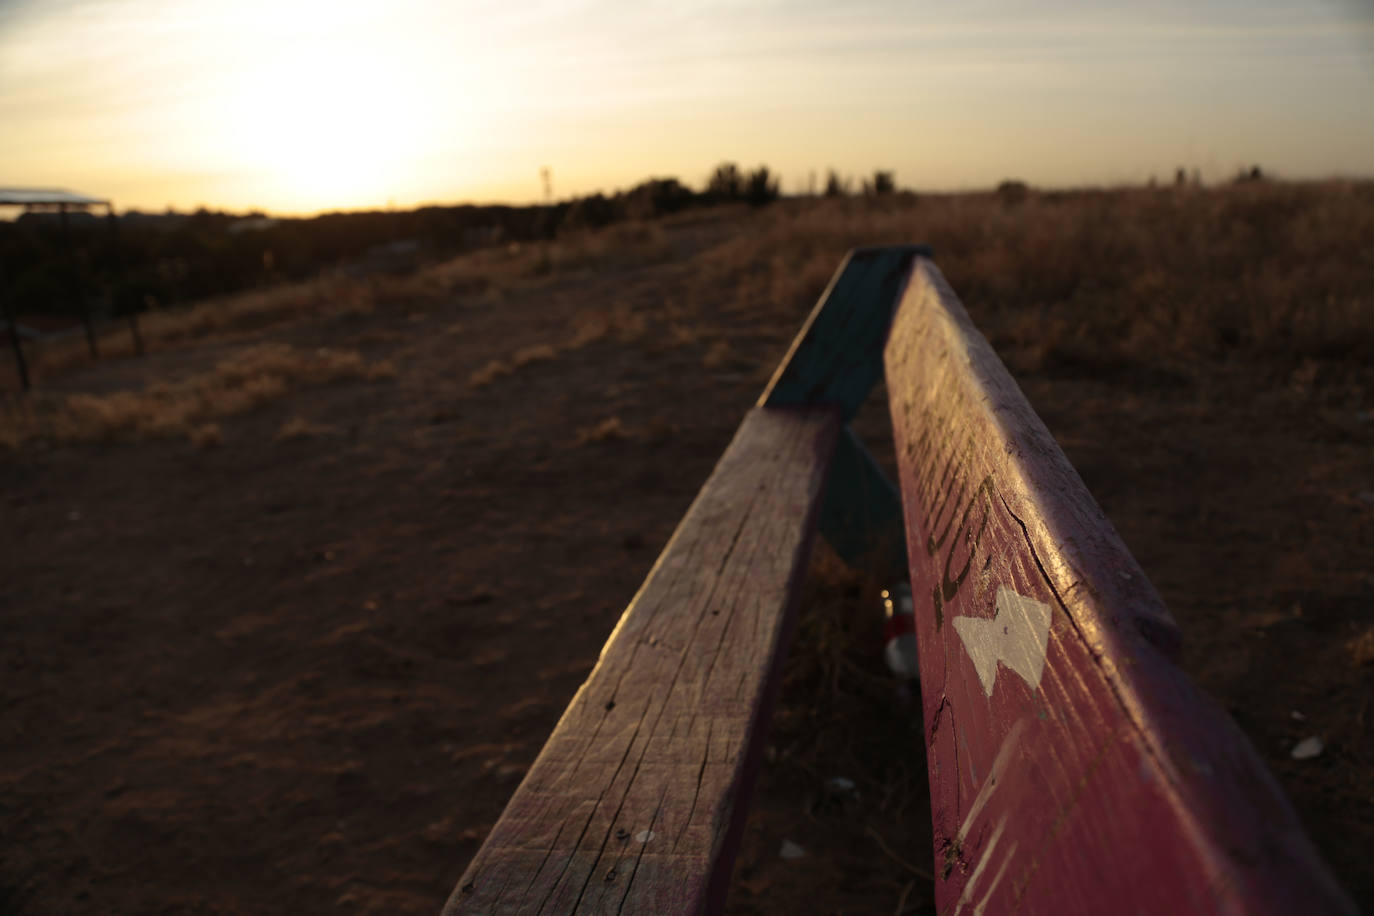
point(636, 802)
point(1074, 769)
point(833, 359)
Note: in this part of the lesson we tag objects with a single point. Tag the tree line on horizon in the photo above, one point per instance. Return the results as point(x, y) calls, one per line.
point(138, 260)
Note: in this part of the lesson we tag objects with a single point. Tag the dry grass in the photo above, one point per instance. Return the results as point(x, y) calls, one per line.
point(491, 273)
point(526, 356)
point(607, 430)
point(619, 323)
point(1362, 648)
point(245, 381)
point(205, 436)
point(717, 355)
point(1100, 279)
point(301, 428)
point(489, 373)
point(242, 311)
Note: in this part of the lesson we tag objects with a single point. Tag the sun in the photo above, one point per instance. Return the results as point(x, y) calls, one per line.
point(326, 124)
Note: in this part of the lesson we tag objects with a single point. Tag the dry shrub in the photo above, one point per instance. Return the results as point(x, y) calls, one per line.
point(382, 370)
point(1362, 648)
point(301, 428)
point(684, 335)
point(607, 430)
point(489, 373)
point(716, 356)
point(621, 321)
point(205, 436)
point(629, 325)
point(539, 353)
point(525, 356)
point(588, 329)
point(19, 416)
point(243, 382)
point(622, 245)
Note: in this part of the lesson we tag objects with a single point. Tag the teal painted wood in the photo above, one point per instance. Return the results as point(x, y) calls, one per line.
point(837, 357)
point(862, 511)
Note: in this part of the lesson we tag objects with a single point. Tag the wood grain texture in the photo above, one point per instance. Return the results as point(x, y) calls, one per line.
point(1073, 768)
point(635, 803)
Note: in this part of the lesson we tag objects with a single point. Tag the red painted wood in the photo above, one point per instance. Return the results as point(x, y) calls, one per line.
point(1104, 781)
point(636, 801)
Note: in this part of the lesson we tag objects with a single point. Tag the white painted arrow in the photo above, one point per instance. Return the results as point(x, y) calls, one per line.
point(1018, 637)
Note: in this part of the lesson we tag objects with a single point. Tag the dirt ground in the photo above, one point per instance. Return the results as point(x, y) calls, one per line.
point(299, 663)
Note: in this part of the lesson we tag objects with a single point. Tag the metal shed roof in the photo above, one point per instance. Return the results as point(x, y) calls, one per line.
point(25, 197)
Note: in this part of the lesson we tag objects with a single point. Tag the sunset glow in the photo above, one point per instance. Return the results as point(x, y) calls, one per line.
point(298, 107)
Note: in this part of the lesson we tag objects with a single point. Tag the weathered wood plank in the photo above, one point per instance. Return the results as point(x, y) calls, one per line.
point(635, 803)
point(1073, 768)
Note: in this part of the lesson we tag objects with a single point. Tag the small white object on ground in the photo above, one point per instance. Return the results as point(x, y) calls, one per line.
point(644, 836)
point(899, 633)
point(1307, 748)
point(1297, 716)
point(791, 850)
point(840, 785)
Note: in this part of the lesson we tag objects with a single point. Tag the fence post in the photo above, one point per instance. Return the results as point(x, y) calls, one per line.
point(14, 338)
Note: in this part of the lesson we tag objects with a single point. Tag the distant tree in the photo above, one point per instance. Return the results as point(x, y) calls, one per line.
point(882, 183)
point(725, 183)
point(835, 186)
point(592, 212)
point(760, 187)
point(656, 197)
point(1255, 173)
point(1013, 191)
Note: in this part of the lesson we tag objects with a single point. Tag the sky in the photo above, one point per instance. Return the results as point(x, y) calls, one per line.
point(294, 106)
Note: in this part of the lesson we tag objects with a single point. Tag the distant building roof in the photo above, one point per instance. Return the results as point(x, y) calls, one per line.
point(26, 197)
